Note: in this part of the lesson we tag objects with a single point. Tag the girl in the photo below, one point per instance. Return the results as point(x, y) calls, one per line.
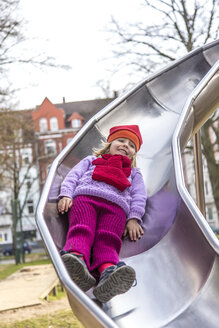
point(106, 197)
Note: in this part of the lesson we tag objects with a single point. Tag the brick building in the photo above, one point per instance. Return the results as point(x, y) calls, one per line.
point(57, 124)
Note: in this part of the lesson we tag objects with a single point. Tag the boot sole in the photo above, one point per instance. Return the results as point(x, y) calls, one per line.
point(78, 272)
point(118, 282)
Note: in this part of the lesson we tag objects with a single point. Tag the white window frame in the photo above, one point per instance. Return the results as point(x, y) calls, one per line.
point(43, 124)
point(50, 147)
point(76, 123)
point(30, 206)
point(210, 214)
point(69, 140)
point(54, 124)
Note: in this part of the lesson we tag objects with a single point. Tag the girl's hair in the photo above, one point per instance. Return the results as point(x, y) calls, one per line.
point(106, 149)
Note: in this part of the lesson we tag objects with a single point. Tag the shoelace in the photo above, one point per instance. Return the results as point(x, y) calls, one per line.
point(110, 270)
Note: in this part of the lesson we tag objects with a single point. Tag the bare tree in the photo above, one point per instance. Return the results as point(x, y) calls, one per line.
point(9, 35)
point(179, 26)
point(18, 173)
point(11, 39)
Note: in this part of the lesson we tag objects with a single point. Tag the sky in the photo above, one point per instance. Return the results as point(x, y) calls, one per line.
point(75, 34)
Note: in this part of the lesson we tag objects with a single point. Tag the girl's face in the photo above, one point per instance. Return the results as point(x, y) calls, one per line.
point(122, 146)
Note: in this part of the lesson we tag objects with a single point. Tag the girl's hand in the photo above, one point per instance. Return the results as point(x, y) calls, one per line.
point(64, 204)
point(134, 230)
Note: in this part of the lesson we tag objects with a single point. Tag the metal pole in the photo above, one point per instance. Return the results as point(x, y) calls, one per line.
point(199, 179)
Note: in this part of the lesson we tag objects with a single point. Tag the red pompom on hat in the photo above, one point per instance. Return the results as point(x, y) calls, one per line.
point(130, 132)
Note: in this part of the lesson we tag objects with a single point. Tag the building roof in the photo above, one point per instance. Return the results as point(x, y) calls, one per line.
point(74, 116)
point(86, 108)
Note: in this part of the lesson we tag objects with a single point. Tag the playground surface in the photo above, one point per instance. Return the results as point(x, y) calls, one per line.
point(23, 293)
point(28, 288)
point(45, 308)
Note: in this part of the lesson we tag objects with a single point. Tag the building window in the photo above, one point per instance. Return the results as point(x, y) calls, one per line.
point(18, 135)
point(26, 160)
point(209, 213)
point(60, 146)
point(76, 123)
point(54, 124)
point(43, 125)
point(50, 147)
point(206, 187)
point(6, 236)
point(30, 206)
point(28, 183)
point(69, 140)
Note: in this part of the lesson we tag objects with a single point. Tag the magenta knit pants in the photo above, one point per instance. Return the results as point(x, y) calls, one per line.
point(97, 224)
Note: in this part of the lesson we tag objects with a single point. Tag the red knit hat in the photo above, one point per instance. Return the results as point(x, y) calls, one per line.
point(131, 132)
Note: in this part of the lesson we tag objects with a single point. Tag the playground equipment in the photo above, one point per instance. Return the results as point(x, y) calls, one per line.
point(177, 260)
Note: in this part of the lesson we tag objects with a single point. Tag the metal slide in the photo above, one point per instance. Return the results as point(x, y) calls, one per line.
point(177, 260)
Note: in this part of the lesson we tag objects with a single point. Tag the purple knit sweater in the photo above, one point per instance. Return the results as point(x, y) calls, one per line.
point(79, 182)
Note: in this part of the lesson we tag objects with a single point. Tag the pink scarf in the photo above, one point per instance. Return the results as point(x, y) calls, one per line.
point(114, 170)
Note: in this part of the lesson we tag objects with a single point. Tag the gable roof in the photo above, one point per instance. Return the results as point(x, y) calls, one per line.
point(86, 108)
point(74, 116)
point(46, 108)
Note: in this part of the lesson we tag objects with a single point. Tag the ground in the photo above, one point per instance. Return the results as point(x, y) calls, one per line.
point(23, 294)
point(47, 307)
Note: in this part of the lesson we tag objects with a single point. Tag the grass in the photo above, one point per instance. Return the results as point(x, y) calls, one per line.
point(28, 257)
point(32, 259)
point(60, 292)
point(62, 319)
point(7, 269)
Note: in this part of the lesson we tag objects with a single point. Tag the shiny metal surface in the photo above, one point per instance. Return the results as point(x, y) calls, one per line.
point(177, 259)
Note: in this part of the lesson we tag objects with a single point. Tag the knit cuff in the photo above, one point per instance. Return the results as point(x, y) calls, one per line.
point(65, 193)
point(134, 215)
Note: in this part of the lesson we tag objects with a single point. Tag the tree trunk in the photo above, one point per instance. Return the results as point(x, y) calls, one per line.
point(14, 232)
